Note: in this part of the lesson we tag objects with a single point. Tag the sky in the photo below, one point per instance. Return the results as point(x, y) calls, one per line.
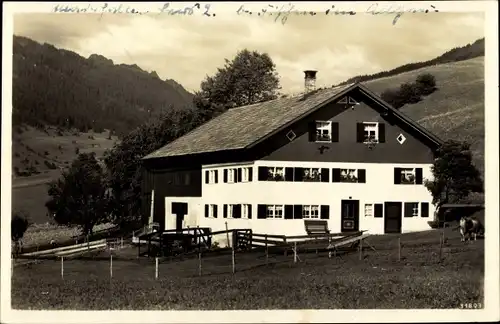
point(188, 48)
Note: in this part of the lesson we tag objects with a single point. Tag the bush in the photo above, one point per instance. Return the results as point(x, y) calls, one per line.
point(410, 93)
point(19, 225)
point(426, 84)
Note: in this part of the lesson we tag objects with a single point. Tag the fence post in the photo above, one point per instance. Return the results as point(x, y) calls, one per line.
point(267, 252)
point(399, 248)
point(121, 243)
point(111, 265)
point(227, 234)
point(286, 250)
point(360, 250)
point(156, 269)
point(62, 267)
point(232, 253)
point(294, 252)
point(441, 239)
point(199, 263)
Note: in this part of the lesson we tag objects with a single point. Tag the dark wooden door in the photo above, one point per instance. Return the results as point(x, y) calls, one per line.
point(350, 215)
point(179, 210)
point(393, 217)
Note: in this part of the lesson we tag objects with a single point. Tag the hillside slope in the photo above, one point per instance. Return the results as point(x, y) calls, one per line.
point(456, 109)
point(60, 88)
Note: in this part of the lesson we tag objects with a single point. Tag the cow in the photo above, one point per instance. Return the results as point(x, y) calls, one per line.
point(470, 227)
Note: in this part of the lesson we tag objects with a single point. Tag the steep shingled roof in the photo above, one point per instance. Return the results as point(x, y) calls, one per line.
point(243, 126)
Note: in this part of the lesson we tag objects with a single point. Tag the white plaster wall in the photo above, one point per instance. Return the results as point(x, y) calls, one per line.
point(379, 188)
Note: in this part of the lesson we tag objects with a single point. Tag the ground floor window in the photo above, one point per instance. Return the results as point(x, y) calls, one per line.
point(310, 211)
point(274, 211)
point(368, 210)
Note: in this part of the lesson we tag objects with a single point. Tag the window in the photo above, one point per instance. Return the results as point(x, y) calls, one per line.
point(246, 174)
point(276, 173)
point(411, 209)
point(368, 210)
point(370, 132)
point(245, 211)
point(212, 211)
point(323, 131)
point(408, 176)
point(230, 210)
point(231, 175)
point(274, 211)
point(310, 211)
point(212, 176)
point(348, 175)
point(311, 174)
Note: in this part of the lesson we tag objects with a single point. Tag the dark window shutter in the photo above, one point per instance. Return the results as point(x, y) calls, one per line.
point(335, 132)
point(335, 175)
point(397, 175)
point(238, 178)
point(418, 176)
point(312, 131)
point(237, 211)
point(381, 133)
point(207, 174)
point(408, 209)
point(216, 176)
point(288, 174)
point(360, 132)
point(206, 210)
point(361, 175)
point(250, 173)
point(298, 174)
point(261, 211)
point(288, 211)
point(263, 173)
point(249, 211)
point(424, 209)
point(225, 175)
point(325, 212)
point(325, 175)
point(378, 211)
point(297, 211)
point(224, 212)
point(215, 211)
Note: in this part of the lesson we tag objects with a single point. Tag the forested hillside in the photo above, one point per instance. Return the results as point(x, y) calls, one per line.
point(60, 88)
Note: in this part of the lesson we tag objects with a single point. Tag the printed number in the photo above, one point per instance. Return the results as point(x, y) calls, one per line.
point(470, 305)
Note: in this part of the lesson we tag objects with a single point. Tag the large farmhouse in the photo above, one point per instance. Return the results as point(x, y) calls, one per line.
point(340, 154)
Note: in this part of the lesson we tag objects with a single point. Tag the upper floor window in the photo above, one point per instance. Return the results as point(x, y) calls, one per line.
point(311, 174)
point(349, 175)
point(323, 131)
point(245, 177)
point(408, 176)
point(276, 173)
point(370, 132)
point(211, 176)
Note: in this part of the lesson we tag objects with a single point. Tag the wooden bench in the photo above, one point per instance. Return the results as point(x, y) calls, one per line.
point(315, 227)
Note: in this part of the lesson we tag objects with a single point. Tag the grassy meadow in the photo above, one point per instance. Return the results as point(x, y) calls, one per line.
point(379, 280)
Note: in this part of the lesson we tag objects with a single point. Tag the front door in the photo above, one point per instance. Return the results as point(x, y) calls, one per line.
point(350, 215)
point(179, 210)
point(393, 217)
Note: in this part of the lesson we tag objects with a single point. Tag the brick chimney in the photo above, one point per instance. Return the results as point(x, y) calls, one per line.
point(310, 80)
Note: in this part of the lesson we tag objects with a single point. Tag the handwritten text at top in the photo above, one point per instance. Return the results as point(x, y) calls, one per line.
point(280, 12)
